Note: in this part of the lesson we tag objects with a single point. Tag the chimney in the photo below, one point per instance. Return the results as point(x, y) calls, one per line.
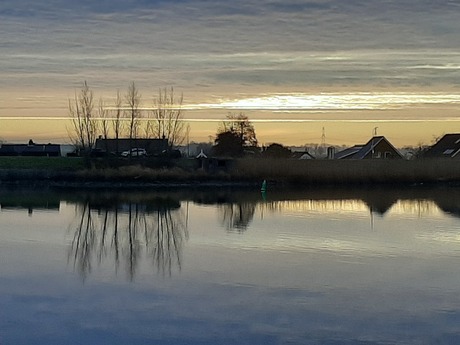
point(330, 152)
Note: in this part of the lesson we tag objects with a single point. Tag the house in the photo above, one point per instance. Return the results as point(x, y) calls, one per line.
point(376, 148)
point(152, 146)
point(31, 149)
point(301, 155)
point(446, 147)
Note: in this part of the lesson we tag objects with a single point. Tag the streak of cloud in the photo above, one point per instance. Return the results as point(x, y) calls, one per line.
point(219, 53)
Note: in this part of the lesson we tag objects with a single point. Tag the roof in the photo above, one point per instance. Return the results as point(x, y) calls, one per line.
point(370, 146)
point(30, 149)
point(302, 155)
point(361, 151)
point(447, 146)
point(348, 153)
point(153, 146)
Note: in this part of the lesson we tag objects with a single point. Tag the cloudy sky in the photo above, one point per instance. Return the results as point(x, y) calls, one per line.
point(346, 66)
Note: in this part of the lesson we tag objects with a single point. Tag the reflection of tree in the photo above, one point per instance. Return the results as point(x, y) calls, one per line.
point(83, 240)
point(237, 216)
point(127, 232)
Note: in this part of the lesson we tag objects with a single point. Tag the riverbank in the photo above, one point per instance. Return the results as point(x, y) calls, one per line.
point(242, 172)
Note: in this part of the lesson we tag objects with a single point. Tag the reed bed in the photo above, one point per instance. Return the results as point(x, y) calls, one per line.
point(251, 171)
point(349, 171)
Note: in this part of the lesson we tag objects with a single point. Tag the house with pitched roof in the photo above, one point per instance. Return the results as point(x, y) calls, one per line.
point(376, 148)
point(446, 147)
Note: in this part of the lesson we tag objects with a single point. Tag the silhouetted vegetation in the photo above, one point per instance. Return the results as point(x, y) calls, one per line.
point(276, 150)
point(235, 136)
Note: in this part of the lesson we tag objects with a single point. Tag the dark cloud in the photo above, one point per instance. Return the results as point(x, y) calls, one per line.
point(254, 42)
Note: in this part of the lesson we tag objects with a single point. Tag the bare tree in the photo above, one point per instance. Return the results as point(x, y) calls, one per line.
point(168, 117)
point(117, 120)
point(103, 115)
point(240, 125)
point(83, 123)
point(133, 100)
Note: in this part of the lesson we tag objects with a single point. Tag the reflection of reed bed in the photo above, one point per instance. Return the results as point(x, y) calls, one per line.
point(349, 171)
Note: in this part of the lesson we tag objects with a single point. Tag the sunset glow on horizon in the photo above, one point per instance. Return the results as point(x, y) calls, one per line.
point(293, 67)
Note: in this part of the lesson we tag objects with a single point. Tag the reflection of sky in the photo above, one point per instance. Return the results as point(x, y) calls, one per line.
point(353, 208)
point(234, 55)
point(295, 274)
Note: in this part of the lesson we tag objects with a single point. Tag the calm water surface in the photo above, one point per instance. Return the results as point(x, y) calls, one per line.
point(230, 267)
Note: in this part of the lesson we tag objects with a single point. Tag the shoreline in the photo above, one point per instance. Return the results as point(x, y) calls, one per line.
point(241, 173)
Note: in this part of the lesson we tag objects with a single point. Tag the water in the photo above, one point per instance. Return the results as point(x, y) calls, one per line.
point(230, 267)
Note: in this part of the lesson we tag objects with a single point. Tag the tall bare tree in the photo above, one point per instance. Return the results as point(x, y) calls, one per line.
point(168, 117)
point(104, 127)
point(117, 120)
point(84, 125)
point(133, 100)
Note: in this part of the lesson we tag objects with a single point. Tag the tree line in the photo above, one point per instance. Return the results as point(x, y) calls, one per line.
point(125, 117)
point(163, 119)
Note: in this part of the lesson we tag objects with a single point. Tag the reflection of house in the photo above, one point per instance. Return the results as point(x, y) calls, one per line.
point(152, 146)
point(448, 147)
point(376, 148)
point(30, 149)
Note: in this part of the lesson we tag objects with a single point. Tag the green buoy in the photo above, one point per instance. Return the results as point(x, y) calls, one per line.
point(264, 186)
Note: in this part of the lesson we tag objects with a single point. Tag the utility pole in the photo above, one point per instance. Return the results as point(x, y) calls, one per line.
point(323, 138)
point(323, 141)
point(188, 139)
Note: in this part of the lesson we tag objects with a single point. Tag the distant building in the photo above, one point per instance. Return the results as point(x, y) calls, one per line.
point(152, 146)
point(31, 149)
point(376, 148)
point(446, 147)
point(301, 155)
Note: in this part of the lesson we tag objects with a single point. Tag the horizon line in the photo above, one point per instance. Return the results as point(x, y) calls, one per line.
point(62, 118)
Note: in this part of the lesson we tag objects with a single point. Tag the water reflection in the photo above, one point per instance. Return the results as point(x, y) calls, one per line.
point(20, 198)
point(303, 267)
point(377, 201)
point(237, 216)
point(124, 228)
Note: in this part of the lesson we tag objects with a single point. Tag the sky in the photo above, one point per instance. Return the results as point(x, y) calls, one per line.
point(297, 68)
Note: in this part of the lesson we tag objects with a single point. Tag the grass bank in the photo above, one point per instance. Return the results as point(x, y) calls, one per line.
point(42, 163)
point(62, 171)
